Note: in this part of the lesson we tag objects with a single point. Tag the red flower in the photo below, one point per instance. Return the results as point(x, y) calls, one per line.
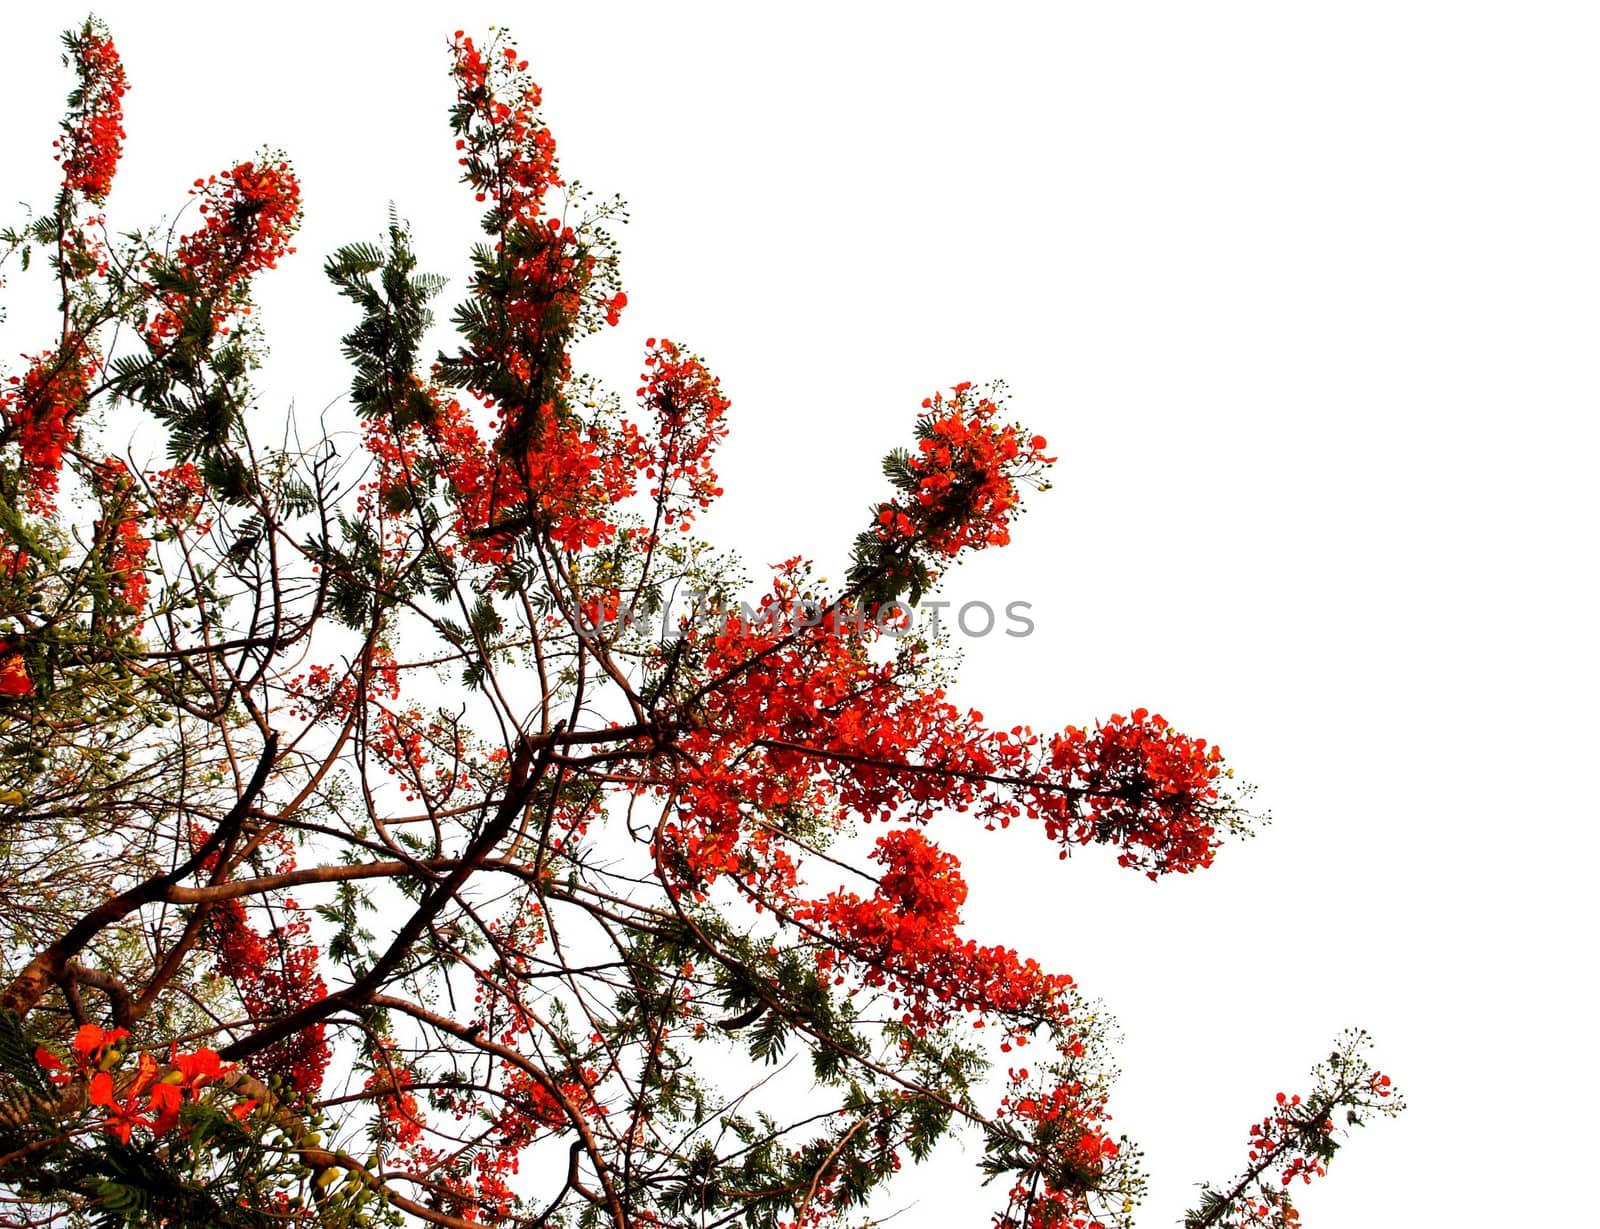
point(14, 677)
point(198, 1069)
point(93, 1043)
point(507, 151)
point(165, 1100)
point(55, 1069)
point(121, 1117)
point(274, 973)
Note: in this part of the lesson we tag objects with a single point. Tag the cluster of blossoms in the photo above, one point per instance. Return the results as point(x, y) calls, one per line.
point(531, 1101)
point(91, 143)
point(431, 759)
point(905, 936)
point(121, 537)
point(564, 479)
point(273, 973)
point(959, 490)
point(573, 476)
point(40, 410)
point(443, 443)
point(810, 713)
point(250, 213)
point(545, 283)
point(177, 496)
point(1296, 1140)
point(960, 486)
point(1280, 1139)
point(690, 415)
point(506, 150)
point(151, 1097)
point(806, 717)
point(598, 608)
point(1073, 1157)
point(390, 1083)
point(807, 720)
point(1138, 784)
point(477, 1181)
point(327, 693)
point(541, 464)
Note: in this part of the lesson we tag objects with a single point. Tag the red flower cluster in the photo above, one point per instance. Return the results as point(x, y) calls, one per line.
point(574, 475)
point(177, 495)
point(151, 1098)
point(91, 1047)
point(427, 756)
point(545, 282)
point(1277, 1139)
point(525, 1106)
point(538, 1108)
point(119, 535)
point(1063, 1121)
point(1297, 1137)
point(507, 151)
point(804, 716)
point(547, 274)
point(564, 481)
point(1138, 784)
point(961, 483)
point(600, 608)
point(40, 410)
point(541, 271)
point(818, 707)
point(251, 212)
point(329, 692)
point(690, 415)
point(92, 144)
point(905, 936)
point(390, 1082)
point(447, 444)
point(274, 973)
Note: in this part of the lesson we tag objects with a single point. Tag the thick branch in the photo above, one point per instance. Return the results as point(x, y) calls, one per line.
point(518, 792)
point(50, 966)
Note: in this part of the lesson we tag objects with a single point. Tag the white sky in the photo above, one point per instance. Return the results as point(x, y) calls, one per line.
point(1305, 299)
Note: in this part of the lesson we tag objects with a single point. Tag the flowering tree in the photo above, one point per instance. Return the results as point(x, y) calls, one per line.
point(643, 924)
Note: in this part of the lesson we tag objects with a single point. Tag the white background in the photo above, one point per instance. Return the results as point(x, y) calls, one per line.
point(1304, 297)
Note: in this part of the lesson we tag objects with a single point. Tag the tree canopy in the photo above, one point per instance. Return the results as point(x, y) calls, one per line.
point(438, 831)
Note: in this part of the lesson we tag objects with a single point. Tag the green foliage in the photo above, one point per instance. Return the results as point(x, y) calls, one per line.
point(383, 347)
